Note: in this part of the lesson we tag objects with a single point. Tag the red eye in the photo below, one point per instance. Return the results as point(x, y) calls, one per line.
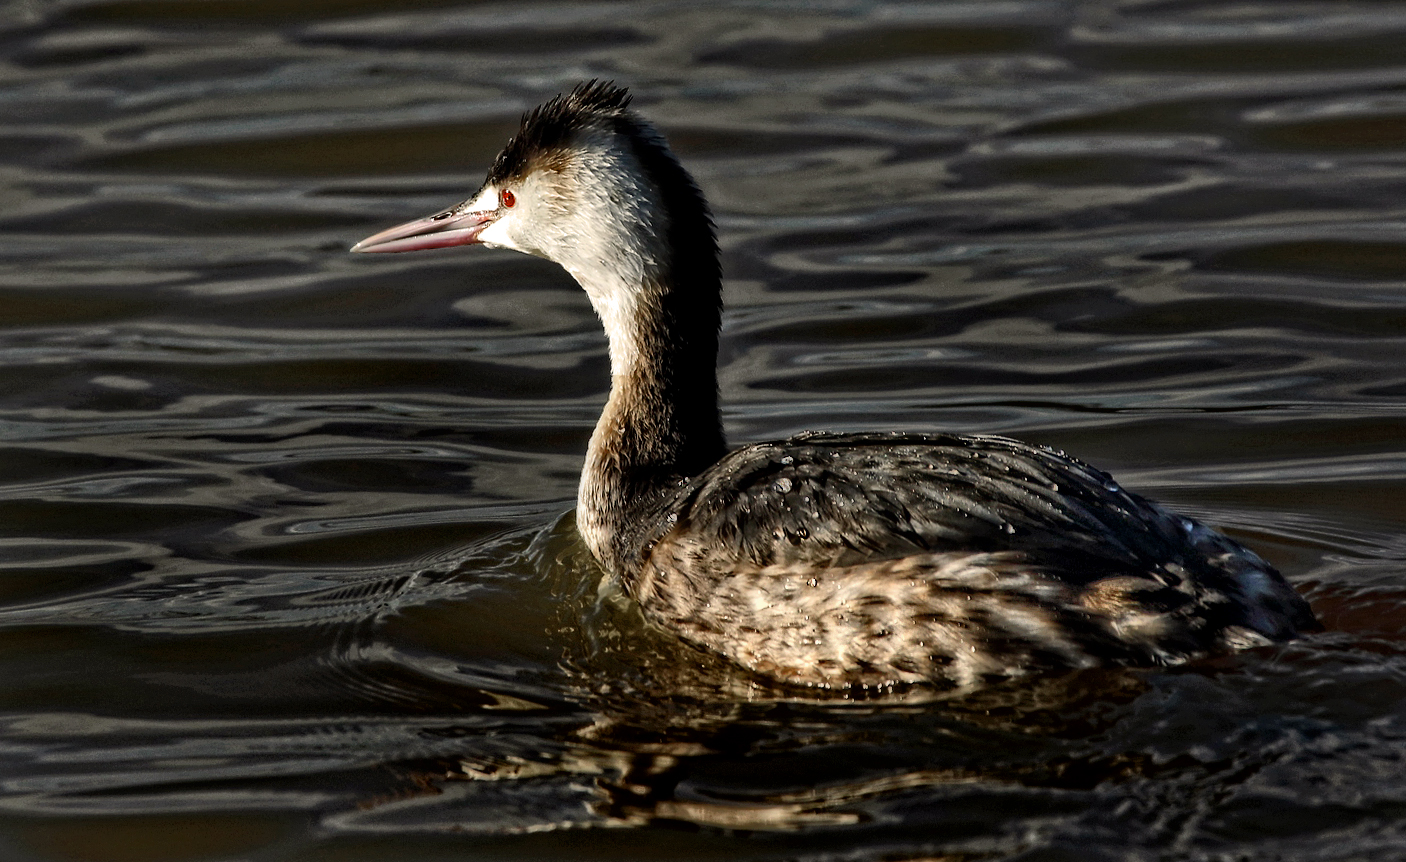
point(507, 198)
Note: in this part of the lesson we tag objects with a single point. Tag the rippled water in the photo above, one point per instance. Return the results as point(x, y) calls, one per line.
point(287, 568)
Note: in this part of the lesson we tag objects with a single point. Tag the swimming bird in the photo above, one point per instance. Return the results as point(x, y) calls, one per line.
point(827, 560)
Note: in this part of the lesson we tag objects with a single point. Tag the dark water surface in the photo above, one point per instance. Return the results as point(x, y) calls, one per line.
point(287, 569)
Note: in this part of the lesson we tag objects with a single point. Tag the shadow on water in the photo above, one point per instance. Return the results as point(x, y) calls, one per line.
point(659, 733)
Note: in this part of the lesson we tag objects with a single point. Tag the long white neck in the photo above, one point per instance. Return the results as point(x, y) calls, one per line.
point(661, 422)
point(627, 221)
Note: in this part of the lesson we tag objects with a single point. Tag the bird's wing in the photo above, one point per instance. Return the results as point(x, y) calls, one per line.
point(840, 499)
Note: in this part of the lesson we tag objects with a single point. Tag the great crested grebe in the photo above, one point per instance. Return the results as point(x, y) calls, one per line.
point(827, 560)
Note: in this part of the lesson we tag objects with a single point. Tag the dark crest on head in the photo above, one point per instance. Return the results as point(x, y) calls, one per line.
point(548, 129)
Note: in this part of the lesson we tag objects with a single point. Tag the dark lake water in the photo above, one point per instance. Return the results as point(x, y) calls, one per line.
point(287, 565)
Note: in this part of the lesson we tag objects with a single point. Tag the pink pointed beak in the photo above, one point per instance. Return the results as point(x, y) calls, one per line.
point(441, 230)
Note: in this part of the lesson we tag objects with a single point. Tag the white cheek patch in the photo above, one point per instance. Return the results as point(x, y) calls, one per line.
point(496, 235)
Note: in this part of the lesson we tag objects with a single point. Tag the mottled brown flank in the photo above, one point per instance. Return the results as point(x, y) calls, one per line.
point(1116, 595)
point(976, 558)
